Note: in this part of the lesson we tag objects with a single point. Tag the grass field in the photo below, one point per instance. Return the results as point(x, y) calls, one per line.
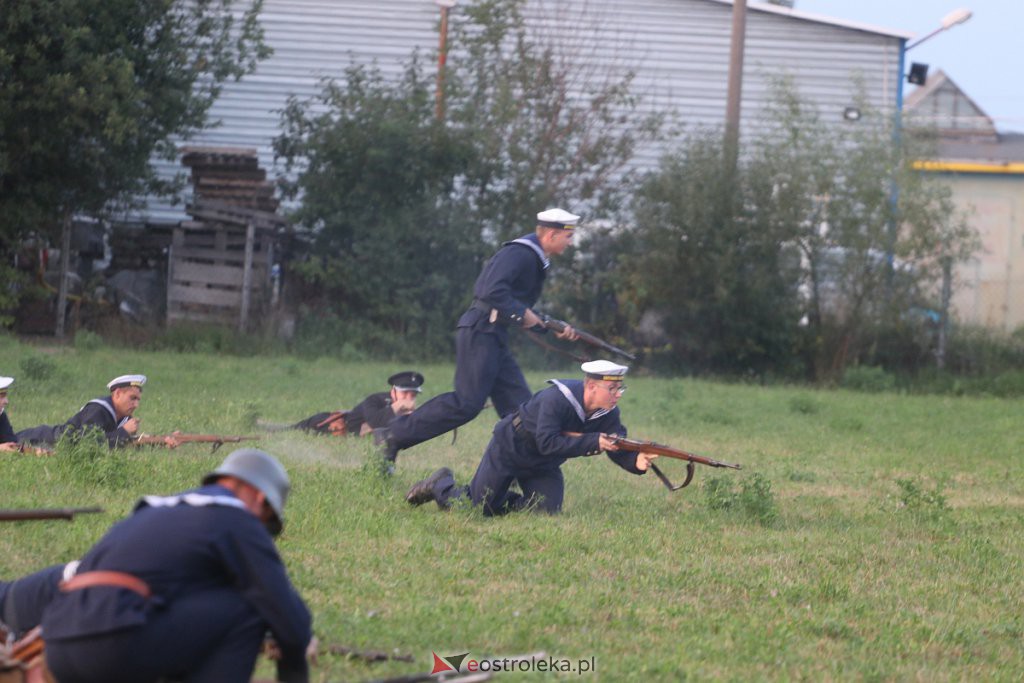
point(868, 537)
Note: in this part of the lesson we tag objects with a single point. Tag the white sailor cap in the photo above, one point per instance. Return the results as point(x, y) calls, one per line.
point(410, 380)
point(605, 370)
point(126, 381)
point(6, 382)
point(557, 218)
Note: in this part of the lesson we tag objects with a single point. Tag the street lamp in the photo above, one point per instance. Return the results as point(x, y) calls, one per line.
point(957, 16)
point(442, 57)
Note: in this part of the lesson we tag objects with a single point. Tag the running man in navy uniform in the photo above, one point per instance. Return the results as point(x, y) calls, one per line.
point(376, 411)
point(529, 445)
point(505, 291)
point(113, 416)
point(184, 589)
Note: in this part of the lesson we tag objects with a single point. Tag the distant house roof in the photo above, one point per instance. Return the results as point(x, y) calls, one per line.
point(941, 104)
point(967, 141)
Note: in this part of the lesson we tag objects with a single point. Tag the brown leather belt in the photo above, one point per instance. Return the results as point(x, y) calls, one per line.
point(106, 578)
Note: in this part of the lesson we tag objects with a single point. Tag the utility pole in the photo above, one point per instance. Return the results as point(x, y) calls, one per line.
point(735, 92)
point(442, 57)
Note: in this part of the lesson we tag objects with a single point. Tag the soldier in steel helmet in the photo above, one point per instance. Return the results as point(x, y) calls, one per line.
point(187, 587)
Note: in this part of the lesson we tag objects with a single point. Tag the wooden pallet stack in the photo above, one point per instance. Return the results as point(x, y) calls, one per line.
point(220, 265)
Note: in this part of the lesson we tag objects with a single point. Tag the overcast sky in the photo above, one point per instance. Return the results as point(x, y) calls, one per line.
point(984, 56)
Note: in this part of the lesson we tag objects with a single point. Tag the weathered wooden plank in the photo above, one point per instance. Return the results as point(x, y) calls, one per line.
point(207, 274)
point(247, 271)
point(225, 316)
point(183, 294)
point(209, 255)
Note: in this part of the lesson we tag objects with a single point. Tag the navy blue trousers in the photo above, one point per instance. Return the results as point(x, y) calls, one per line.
point(23, 600)
point(543, 487)
point(484, 367)
point(208, 637)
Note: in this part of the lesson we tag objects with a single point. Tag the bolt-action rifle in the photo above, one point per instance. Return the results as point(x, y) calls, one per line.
point(45, 513)
point(217, 440)
point(585, 337)
point(644, 446)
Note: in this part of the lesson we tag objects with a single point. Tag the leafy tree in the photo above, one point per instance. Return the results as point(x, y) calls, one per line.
point(716, 276)
point(400, 209)
point(391, 255)
point(871, 230)
point(551, 124)
point(91, 90)
point(808, 248)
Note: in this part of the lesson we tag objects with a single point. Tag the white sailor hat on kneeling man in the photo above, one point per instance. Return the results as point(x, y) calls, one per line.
point(605, 370)
point(557, 218)
point(5, 382)
point(410, 380)
point(126, 381)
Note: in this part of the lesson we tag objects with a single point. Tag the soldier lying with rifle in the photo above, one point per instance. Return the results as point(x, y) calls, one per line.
point(376, 411)
point(8, 439)
point(113, 416)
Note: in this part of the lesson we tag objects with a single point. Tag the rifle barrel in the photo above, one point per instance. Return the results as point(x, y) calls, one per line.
point(47, 513)
point(587, 338)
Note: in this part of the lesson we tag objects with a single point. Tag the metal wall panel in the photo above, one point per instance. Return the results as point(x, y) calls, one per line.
point(679, 50)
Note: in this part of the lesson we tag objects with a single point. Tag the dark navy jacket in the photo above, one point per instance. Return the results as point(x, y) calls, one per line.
point(374, 410)
point(97, 414)
point(200, 540)
point(540, 443)
point(510, 282)
point(6, 430)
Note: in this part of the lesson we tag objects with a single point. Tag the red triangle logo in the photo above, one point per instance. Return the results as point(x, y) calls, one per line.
point(440, 665)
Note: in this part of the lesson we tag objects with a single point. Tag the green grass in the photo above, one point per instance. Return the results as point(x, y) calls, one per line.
point(868, 537)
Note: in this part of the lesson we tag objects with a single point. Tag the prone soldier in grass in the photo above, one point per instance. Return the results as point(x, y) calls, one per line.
point(571, 418)
point(505, 292)
point(113, 416)
point(374, 412)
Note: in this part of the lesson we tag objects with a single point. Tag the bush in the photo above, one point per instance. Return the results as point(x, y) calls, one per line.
point(38, 368)
point(86, 340)
point(867, 378)
point(915, 498)
point(754, 499)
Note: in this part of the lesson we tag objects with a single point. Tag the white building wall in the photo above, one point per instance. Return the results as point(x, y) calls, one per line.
point(679, 50)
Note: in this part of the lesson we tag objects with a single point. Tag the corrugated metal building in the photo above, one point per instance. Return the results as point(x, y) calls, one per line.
point(679, 50)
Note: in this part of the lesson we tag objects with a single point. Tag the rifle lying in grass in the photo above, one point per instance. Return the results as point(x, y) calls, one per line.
point(48, 513)
point(585, 337)
point(643, 446)
point(217, 440)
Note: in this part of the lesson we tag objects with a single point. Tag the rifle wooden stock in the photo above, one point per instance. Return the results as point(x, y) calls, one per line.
point(217, 440)
point(48, 513)
point(586, 337)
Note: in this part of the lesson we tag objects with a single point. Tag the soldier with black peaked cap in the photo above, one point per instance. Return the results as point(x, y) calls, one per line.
point(505, 291)
point(529, 445)
point(184, 589)
point(113, 415)
point(373, 412)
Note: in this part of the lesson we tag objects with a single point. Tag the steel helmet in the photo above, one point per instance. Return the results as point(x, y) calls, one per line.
point(261, 470)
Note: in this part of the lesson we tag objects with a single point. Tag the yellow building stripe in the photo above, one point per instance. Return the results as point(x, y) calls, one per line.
point(1005, 168)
